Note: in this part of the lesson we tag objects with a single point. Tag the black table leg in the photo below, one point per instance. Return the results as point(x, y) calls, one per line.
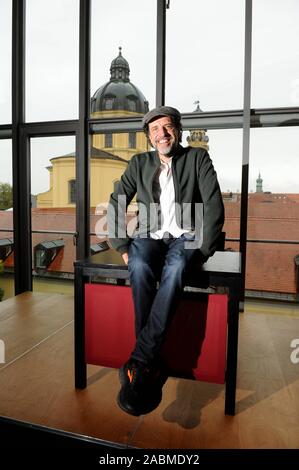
point(232, 349)
point(80, 364)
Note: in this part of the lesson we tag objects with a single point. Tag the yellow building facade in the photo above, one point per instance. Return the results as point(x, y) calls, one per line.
point(105, 171)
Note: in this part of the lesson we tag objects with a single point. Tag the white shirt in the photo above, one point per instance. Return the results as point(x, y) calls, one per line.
point(163, 191)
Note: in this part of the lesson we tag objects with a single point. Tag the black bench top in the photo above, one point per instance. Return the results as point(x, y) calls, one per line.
point(226, 263)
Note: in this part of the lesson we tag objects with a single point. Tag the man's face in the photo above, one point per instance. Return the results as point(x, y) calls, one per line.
point(164, 136)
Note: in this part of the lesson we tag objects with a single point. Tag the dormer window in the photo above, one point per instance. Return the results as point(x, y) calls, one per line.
point(6, 248)
point(108, 103)
point(132, 104)
point(46, 252)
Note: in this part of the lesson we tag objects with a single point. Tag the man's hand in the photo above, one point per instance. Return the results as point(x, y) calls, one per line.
point(125, 257)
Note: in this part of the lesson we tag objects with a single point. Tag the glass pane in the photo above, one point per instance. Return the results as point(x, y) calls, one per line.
point(106, 168)
point(53, 175)
point(6, 222)
point(52, 58)
point(204, 56)
point(272, 269)
point(123, 71)
point(225, 149)
point(5, 61)
point(275, 56)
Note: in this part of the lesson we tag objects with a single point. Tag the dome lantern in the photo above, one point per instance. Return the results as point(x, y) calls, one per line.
point(120, 69)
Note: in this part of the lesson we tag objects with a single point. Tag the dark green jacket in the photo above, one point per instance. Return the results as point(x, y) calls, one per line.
point(195, 181)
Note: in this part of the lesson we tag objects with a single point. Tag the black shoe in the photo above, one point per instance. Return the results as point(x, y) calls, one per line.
point(147, 376)
point(140, 393)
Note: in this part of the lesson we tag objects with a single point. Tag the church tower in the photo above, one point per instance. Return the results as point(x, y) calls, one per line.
point(198, 137)
point(259, 184)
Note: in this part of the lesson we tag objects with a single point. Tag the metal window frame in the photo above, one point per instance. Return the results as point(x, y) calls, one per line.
point(84, 127)
point(20, 155)
point(246, 145)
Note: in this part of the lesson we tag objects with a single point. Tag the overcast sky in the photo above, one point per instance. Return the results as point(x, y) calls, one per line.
point(205, 47)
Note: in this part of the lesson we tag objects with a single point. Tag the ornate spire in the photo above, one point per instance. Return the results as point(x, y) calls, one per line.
point(119, 69)
point(259, 184)
point(197, 110)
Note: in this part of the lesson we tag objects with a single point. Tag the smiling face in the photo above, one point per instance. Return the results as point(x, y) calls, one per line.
point(164, 136)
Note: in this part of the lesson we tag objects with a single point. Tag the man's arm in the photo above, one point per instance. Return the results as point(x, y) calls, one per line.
point(119, 201)
point(213, 208)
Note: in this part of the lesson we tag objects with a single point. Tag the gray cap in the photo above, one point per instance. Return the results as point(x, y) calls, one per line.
point(160, 111)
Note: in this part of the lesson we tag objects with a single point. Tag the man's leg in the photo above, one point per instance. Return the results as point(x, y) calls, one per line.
point(139, 393)
point(163, 307)
point(141, 379)
point(146, 258)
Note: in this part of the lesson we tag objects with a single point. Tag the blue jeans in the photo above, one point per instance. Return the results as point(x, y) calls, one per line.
point(151, 261)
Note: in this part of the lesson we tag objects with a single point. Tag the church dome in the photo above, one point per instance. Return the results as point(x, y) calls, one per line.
point(119, 94)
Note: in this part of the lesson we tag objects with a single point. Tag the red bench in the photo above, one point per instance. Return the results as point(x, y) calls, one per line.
point(195, 345)
point(202, 341)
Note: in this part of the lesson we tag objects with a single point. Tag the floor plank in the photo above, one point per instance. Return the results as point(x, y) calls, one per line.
point(29, 318)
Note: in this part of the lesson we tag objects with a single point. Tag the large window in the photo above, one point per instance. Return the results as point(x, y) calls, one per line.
point(52, 55)
point(204, 77)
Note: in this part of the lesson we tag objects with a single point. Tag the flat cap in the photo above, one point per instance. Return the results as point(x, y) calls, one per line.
point(159, 112)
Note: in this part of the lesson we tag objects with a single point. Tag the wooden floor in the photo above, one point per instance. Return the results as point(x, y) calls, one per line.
point(37, 384)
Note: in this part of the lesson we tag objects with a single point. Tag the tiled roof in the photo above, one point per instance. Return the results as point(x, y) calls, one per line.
point(94, 153)
point(270, 267)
